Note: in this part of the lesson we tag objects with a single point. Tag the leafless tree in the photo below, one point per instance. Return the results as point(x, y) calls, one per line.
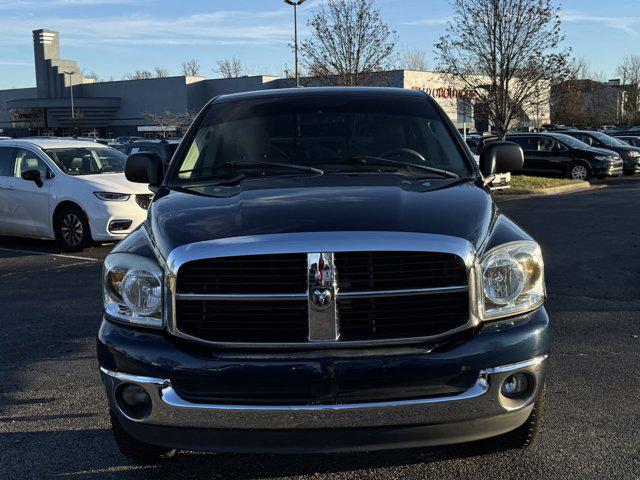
point(160, 72)
point(506, 52)
point(413, 59)
point(191, 68)
point(230, 67)
point(167, 119)
point(348, 42)
point(91, 74)
point(629, 71)
point(138, 75)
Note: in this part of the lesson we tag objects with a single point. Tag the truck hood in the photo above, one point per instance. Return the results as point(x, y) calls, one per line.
point(332, 203)
point(112, 182)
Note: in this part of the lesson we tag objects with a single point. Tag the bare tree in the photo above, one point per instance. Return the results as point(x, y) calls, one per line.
point(348, 42)
point(167, 120)
point(230, 67)
point(91, 74)
point(506, 52)
point(138, 75)
point(629, 71)
point(413, 59)
point(191, 68)
point(160, 72)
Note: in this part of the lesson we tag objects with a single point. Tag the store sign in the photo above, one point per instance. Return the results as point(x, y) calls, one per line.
point(447, 92)
point(27, 117)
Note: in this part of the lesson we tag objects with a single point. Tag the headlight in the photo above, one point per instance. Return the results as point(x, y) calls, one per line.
point(511, 277)
point(603, 159)
point(112, 196)
point(132, 288)
point(633, 154)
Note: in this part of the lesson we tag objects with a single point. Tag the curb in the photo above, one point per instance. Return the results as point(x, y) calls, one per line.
point(574, 187)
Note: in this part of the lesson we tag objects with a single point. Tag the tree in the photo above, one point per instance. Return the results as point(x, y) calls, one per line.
point(348, 42)
point(191, 68)
point(413, 59)
point(167, 119)
point(161, 72)
point(138, 75)
point(508, 52)
point(629, 71)
point(231, 67)
point(91, 74)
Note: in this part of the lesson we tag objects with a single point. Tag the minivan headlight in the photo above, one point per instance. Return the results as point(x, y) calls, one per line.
point(112, 196)
point(633, 154)
point(511, 277)
point(132, 289)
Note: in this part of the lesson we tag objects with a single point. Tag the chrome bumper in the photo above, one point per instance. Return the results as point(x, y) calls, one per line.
point(482, 401)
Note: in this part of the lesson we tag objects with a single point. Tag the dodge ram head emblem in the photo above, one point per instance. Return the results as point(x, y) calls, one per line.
point(321, 280)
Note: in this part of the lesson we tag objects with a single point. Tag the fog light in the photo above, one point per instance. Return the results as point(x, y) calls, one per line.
point(515, 385)
point(134, 401)
point(119, 225)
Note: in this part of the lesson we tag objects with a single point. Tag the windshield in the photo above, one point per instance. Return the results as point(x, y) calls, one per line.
point(325, 132)
point(87, 160)
point(609, 141)
point(571, 141)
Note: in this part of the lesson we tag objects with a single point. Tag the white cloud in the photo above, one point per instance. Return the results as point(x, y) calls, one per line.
point(629, 24)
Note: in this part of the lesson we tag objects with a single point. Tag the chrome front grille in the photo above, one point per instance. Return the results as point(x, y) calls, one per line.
point(322, 299)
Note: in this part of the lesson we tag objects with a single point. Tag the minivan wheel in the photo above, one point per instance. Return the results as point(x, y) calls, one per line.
point(134, 449)
point(578, 171)
point(72, 229)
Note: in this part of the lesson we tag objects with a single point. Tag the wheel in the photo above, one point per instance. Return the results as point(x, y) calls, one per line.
point(524, 435)
point(578, 171)
point(134, 449)
point(72, 229)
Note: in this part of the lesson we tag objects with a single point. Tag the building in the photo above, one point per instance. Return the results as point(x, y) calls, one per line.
point(64, 102)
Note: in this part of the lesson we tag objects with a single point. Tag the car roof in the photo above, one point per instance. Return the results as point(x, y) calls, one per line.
point(47, 142)
point(354, 92)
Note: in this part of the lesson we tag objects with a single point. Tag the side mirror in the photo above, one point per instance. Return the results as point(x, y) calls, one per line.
point(144, 167)
point(501, 157)
point(33, 176)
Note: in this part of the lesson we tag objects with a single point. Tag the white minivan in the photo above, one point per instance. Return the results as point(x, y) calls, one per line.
point(74, 191)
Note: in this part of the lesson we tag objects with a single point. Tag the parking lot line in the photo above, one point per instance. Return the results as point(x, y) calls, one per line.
point(62, 255)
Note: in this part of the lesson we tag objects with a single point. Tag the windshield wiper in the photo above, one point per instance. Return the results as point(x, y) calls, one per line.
point(372, 160)
point(226, 165)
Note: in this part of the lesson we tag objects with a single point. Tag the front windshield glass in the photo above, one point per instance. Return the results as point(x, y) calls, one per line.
point(609, 141)
point(326, 132)
point(87, 160)
point(571, 141)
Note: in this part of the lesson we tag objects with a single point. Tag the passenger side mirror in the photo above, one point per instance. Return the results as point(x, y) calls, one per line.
point(33, 176)
point(144, 167)
point(501, 157)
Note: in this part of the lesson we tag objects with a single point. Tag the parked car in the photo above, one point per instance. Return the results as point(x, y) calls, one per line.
point(323, 270)
point(123, 140)
point(70, 190)
point(630, 155)
point(564, 154)
point(634, 141)
point(164, 148)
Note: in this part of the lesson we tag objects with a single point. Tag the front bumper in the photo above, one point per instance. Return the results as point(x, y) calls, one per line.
point(480, 411)
point(106, 212)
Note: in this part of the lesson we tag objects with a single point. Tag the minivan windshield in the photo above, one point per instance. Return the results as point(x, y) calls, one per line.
point(87, 160)
point(329, 132)
point(609, 141)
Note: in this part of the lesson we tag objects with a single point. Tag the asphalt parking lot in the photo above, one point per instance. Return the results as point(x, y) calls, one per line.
point(53, 417)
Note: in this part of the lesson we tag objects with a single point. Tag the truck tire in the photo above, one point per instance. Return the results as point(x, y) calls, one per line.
point(136, 450)
point(524, 435)
point(72, 229)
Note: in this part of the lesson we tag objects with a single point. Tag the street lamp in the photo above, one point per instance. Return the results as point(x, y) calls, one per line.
point(73, 114)
point(295, 4)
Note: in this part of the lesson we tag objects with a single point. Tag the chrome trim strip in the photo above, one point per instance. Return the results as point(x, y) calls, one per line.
point(171, 398)
point(339, 294)
point(125, 377)
point(247, 297)
point(515, 366)
point(402, 293)
point(305, 242)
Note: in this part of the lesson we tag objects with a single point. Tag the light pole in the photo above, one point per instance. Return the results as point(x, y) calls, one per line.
point(295, 4)
point(73, 113)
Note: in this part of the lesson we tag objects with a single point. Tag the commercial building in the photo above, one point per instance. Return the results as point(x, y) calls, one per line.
point(64, 102)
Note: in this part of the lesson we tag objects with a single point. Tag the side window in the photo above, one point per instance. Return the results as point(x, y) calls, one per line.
point(524, 142)
point(585, 138)
point(7, 155)
point(27, 160)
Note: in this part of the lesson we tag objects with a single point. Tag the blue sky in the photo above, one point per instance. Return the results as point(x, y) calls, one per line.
point(113, 37)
